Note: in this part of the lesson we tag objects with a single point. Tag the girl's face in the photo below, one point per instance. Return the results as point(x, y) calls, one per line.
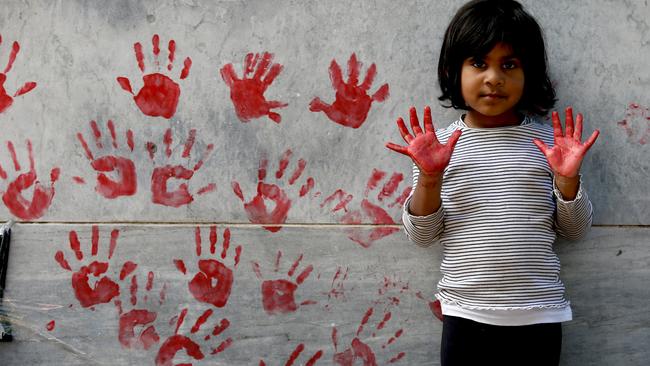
point(492, 85)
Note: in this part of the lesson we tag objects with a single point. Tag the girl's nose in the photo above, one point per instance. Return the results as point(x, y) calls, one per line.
point(494, 76)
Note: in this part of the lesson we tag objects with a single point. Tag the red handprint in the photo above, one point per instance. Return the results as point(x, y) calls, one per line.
point(104, 289)
point(247, 93)
point(177, 342)
point(424, 149)
point(636, 123)
point(352, 102)
point(296, 353)
point(359, 350)
point(160, 193)
point(5, 99)
point(369, 211)
point(565, 157)
point(143, 318)
point(13, 197)
point(278, 296)
point(256, 208)
point(159, 95)
point(124, 168)
point(211, 270)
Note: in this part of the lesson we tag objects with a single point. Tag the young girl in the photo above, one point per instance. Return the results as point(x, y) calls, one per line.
point(496, 204)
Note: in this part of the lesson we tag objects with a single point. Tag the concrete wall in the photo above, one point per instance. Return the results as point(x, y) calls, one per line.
point(71, 69)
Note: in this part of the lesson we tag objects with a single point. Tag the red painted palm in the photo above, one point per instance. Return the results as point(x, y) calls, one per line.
point(423, 147)
point(567, 153)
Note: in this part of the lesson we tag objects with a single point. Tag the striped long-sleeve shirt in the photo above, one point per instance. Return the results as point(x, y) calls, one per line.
point(498, 220)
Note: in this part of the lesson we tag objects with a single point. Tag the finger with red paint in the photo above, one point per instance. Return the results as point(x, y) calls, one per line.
point(566, 155)
point(13, 196)
point(423, 147)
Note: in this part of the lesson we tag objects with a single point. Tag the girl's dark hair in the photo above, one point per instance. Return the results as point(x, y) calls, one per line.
point(475, 29)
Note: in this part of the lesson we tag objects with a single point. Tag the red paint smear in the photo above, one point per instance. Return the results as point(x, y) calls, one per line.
point(149, 285)
point(60, 258)
point(113, 243)
point(187, 64)
point(237, 190)
point(181, 318)
point(167, 140)
point(197, 240)
point(202, 288)
point(3, 173)
point(134, 290)
point(383, 322)
point(12, 151)
point(50, 325)
point(294, 265)
point(158, 97)
point(103, 291)
point(97, 134)
point(343, 198)
point(226, 243)
point(247, 94)
point(171, 47)
point(95, 240)
point(314, 358)
point(111, 129)
point(26, 88)
point(303, 276)
point(15, 48)
point(334, 338)
point(78, 180)
point(151, 148)
point(261, 171)
point(394, 338)
point(397, 358)
point(213, 239)
point(124, 168)
point(299, 169)
point(308, 302)
point(180, 265)
point(156, 44)
point(137, 47)
point(201, 320)
point(222, 347)
point(436, 309)
point(365, 319)
point(75, 245)
point(257, 211)
point(373, 181)
point(222, 326)
point(294, 355)
point(277, 260)
point(256, 269)
point(189, 143)
point(278, 296)
point(402, 198)
point(127, 268)
point(129, 139)
point(163, 294)
point(237, 254)
point(307, 186)
point(81, 139)
point(137, 318)
point(391, 186)
point(352, 103)
point(125, 84)
point(206, 154)
point(284, 163)
point(173, 345)
point(207, 189)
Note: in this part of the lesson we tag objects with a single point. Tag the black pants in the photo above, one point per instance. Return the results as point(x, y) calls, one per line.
point(467, 343)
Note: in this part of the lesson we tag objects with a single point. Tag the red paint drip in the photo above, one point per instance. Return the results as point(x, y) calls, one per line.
point(127, 268)
point(201, 320)
point(213, 239)
point(284, 162)
point(189, 143)
point(77, 180)
point(113, 243)
point(111, 129)
point(60, 258)
point(365, 319)
point(299, 169)
point(180, 265)
point(50, 325)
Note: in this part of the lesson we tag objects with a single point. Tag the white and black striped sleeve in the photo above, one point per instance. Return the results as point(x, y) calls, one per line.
point(572, 218)
point(422, 230)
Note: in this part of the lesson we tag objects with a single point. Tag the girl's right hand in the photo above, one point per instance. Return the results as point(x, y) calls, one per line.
point(425, 150)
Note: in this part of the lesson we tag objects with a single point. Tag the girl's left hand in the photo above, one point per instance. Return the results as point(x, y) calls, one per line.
point(565, 157)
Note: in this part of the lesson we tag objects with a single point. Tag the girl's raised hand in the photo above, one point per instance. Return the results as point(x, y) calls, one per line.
point(424, 148)
point(565, 157)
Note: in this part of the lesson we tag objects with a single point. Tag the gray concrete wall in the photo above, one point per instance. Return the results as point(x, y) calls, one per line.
point(75, 51)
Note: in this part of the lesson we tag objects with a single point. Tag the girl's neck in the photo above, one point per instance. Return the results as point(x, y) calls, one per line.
point(474, 119)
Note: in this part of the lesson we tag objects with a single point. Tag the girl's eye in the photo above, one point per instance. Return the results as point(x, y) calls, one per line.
point(478, 64)
point(510, 65)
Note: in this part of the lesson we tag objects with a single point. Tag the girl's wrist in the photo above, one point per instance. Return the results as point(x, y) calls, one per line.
point(429, 180)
